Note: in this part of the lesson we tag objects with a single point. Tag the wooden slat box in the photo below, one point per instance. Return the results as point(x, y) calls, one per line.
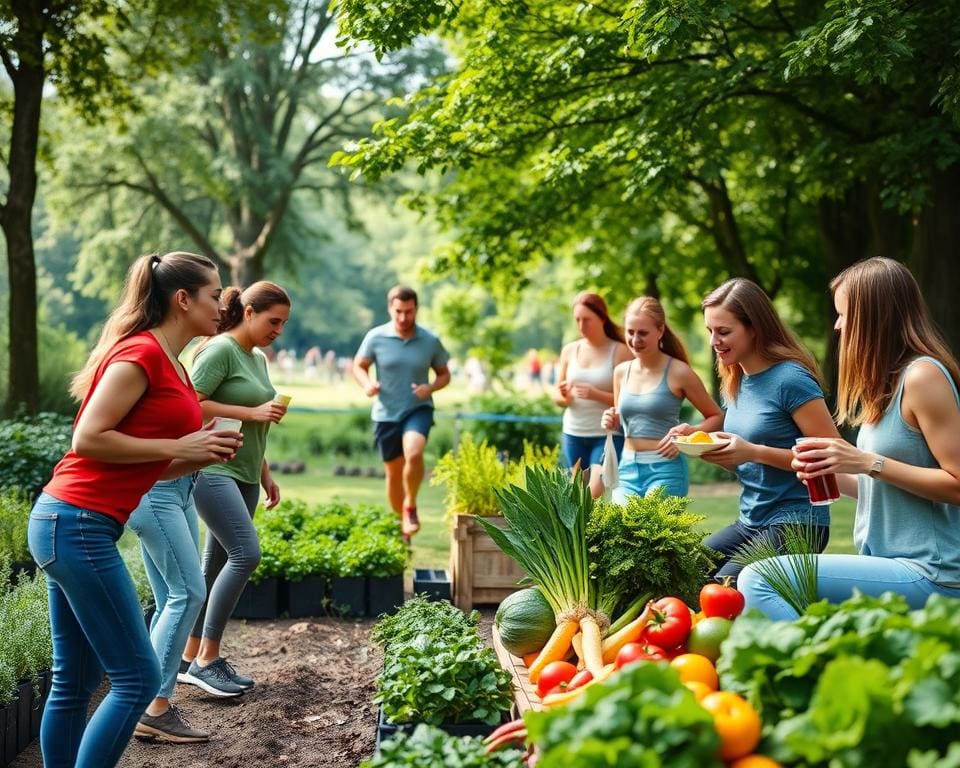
point(524, 693)
point(481, 573)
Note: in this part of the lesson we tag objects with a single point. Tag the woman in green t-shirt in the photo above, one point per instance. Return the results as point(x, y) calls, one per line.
point(231, 379)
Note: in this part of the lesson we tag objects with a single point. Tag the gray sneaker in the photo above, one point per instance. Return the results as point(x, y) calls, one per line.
point(214, 678)
point(182, 672)
point(242, 680)
point(170, 726)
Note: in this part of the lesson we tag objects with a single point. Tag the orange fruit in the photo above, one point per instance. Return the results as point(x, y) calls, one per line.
point(699, 690)
point(737, 723)
point(755, 761)
point(694, 667)
point(700, 437)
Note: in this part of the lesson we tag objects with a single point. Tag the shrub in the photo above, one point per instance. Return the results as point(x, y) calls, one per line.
point(372, 554)
point(509, 436)
point(26, 647)
point(14, 514)
point(30, 448)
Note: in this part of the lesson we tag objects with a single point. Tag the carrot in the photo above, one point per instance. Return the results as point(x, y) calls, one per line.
point(592, 646)
point(628, 634)
point(556, 647)
point(503, 730)
point(529, 658)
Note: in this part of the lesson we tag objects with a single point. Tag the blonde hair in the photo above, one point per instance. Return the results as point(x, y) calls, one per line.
point(150, 284)
point(774, 342)
point(670, 343)
point(887, 325)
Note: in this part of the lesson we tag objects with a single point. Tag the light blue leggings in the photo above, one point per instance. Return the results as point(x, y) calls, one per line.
point(837, 576)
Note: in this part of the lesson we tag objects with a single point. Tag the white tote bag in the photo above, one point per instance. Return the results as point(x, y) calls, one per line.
point(610, 471)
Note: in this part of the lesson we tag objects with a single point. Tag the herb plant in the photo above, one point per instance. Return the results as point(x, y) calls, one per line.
point(14, 514)
point(429, 747)
point(642, 717)
point(30, 448)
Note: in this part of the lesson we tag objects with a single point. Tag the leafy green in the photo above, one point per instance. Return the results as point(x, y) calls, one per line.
point(429, 747)
point(26, 646)
point(867, 682)
point(649, 546)
point(642, 717)
point(437, 669)
point(29, 450)
point(14, 513)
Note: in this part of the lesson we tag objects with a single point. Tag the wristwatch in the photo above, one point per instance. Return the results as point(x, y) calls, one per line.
point(877, 467)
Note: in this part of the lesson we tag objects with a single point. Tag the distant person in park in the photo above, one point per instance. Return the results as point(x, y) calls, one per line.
point(899, 384)
point(139, 422)
point(648, 392)
point(231, 378)
point(403, 353)
point(585, 386)
point(772, 395)
point(534, 369)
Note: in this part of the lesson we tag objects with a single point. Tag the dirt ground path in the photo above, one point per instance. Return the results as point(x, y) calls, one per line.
point(312, 706)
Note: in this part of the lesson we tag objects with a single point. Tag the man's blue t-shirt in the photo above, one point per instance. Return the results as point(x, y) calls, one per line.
point(401, 363)
point(762, 413)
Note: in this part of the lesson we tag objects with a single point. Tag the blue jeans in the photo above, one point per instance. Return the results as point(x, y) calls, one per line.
point(166, 522)
point(97, 626)
point(837, 576)
point(728, 540)
point(587, 450)
point(642, 472)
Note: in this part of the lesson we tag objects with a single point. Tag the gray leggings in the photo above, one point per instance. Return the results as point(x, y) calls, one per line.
point(232, 550)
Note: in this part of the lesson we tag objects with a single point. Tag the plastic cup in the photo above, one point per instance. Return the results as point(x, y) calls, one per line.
point(230, 425)
point(283, 400)
point(822, 490)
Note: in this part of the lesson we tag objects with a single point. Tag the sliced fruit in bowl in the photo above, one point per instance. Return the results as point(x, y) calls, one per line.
point(699, 443)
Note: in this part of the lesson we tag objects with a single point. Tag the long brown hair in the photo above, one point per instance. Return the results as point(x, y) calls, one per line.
point(595, 303)
point(670, 343)
point(887, 325)
point(774, 342)
point(150, 284)
point(259, 296)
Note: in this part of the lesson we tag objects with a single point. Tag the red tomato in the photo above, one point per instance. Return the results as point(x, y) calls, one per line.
point(721, 601)
point(555, 673)
point(678, 651)
point(670, 624)
point(632, 652)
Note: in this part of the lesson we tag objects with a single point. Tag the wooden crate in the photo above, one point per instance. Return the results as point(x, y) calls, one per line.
point(524, 692)
point(481, 573)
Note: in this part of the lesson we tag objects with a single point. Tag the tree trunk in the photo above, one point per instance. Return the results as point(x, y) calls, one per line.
point(936, 253)
point(854, 227)
point(17, 213)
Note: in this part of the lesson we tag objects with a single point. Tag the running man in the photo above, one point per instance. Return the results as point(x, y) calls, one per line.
point(402, 413)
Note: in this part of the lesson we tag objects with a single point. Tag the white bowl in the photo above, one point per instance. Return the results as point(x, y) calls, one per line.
point(698, 449)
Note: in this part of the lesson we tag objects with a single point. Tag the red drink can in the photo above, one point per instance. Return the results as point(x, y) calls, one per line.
point(823, 489)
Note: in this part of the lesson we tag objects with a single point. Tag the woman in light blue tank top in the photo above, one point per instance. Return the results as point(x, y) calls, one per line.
point(585, 386)
point(899, 383)
point(648, 391)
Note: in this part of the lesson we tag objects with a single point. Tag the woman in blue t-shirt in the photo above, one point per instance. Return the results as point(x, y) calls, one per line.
point(899, 383)
point(772, 394)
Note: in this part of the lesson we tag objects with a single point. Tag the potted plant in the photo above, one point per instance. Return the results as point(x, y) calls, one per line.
point(472, 474)
point(260, 596)
point(438, 670)
point(14, 513)
point(8, 711)
point(381, 558)
point(307, 574)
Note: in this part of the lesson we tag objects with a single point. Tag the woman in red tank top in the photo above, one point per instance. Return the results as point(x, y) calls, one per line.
point(139, 422)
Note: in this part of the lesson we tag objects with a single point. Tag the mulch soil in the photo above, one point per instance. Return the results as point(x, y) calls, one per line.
point(312, 705)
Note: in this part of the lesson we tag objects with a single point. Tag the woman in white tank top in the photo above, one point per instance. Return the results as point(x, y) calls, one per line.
point(585, 385)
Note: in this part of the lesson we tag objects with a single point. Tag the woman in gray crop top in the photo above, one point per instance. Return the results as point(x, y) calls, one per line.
point(900, 383)
point(585, 385)
point(648, 391)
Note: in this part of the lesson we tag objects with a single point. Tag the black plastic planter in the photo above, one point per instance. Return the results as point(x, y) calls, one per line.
point(384, 594)
point(305, 597)
point(258, 601)
point(44, 683)
point(434, 582)
point(386, 729)
point(24, 706)
point(10, 733)
point(349, 595)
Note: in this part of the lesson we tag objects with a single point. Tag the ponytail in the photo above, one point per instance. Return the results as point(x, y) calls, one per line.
point(150, 284)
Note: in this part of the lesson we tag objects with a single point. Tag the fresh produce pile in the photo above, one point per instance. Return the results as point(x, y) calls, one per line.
point(437, 669)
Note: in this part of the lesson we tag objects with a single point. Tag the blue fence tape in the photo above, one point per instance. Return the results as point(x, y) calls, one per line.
point(455, 415)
